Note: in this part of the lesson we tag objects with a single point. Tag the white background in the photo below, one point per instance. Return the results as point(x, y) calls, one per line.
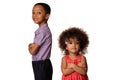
point(100, 18)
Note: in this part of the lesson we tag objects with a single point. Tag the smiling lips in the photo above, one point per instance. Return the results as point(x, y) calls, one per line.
point(73, 48)
point(35, 19)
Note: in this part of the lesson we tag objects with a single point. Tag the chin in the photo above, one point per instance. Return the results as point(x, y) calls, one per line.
point(36, 22)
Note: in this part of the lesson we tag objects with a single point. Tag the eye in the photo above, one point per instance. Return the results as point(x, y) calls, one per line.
point(77, 42)
point(33, 12)
point(69, 42)
point(39, 12)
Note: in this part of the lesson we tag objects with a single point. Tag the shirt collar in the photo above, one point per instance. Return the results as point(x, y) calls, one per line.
point(41, 27)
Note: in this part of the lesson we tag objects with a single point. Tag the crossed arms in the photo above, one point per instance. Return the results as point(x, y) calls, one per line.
point(80, 68)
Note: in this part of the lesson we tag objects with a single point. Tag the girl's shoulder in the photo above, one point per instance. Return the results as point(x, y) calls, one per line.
point(66, 58)
point(82, 56)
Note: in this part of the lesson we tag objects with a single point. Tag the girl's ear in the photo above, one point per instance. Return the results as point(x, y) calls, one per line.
point(47, 16)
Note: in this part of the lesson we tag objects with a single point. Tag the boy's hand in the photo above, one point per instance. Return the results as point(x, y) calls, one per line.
point(33, 48)
point(31, 45)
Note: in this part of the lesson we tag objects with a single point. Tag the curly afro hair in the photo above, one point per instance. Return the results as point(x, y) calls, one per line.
point(74, 32)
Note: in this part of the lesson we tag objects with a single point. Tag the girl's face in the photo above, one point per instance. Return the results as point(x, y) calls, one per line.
point(39, 15)
point(72, 45)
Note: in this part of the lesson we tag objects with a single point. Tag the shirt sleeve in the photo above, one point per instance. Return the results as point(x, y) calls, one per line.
point(39, 38)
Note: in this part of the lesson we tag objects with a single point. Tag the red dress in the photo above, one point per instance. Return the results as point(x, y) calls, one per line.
point(74, 75)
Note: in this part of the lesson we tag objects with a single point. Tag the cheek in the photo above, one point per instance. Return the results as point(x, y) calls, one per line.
point(78, 47)
point(41, 17)
point(32, 16)
point(67, 47)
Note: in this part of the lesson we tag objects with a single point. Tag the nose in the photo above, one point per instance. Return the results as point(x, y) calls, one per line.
point(73, 44)
point(34, 15)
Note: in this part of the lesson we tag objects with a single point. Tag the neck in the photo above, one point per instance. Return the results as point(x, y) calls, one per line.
point(73, 54)
point(42, 24)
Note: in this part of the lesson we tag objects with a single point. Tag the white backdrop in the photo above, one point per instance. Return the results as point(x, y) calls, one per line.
point(100, 18)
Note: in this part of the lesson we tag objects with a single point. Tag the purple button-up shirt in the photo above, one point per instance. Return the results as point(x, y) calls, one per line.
point(43, 38)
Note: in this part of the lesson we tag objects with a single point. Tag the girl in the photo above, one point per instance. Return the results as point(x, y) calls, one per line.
point(74, 43)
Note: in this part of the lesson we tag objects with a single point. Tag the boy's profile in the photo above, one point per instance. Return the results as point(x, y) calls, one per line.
point(40, 49)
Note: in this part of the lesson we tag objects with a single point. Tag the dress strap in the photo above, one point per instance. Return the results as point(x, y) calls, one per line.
point(79, 58)
point(68, 60)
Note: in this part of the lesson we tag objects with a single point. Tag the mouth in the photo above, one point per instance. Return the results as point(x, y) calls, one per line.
point(73, 48)
point(35, 19)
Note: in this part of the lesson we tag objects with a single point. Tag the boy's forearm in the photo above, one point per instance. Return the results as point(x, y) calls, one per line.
point(33, 48)
point(31, 51)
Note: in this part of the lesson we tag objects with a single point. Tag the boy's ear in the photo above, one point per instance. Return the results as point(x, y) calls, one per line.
point(47, 16)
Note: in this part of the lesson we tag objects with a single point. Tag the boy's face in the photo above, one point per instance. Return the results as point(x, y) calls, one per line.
point(72, 45)
point(39, 15)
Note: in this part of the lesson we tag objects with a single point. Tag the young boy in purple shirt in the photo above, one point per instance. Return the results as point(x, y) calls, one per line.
point(40, 49)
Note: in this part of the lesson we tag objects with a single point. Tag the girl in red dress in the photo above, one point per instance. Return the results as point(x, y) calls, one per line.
point(74, 42)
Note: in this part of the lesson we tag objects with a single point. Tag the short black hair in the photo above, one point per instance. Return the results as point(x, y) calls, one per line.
point(74, 32)
point(45, 6)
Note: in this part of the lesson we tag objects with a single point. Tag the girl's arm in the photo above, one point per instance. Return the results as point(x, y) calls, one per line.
point(64, 68)
point(81, 67)
point(33, 48)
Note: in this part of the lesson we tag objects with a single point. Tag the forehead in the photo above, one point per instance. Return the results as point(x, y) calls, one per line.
point(72, 39)
point(38, 8)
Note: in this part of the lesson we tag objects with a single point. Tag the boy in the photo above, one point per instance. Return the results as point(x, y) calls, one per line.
point(40, 49)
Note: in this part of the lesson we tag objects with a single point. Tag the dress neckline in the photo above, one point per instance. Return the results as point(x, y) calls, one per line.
point(74, 59)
